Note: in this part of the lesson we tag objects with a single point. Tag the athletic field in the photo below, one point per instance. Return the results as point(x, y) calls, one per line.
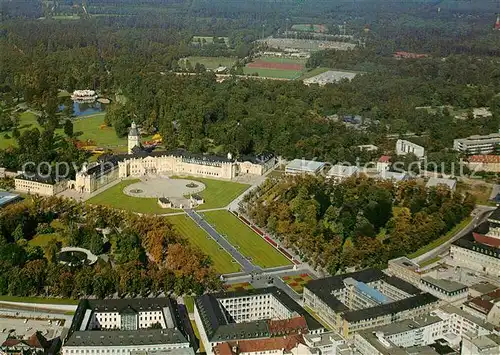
point(273, 67)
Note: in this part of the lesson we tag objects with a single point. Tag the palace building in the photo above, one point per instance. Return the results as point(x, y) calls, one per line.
point(140, 162)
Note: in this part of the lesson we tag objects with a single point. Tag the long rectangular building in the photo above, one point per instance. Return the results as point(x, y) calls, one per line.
point(125, 327)
point(365, 299)
point(477, 144)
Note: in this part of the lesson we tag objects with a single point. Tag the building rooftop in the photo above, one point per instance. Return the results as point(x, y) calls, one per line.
point(44, 179)
point(468, 242)
point(450, 309)
point(78, 335)
point(445, 285)
point(488, 159)
point(390, 308)
point(125, 337)
point(261, 158)
point(384, 159)
point(407, 325)
point(478, 139)
point(342, 170)
point(8, 197)
point(405, 263)
point(433, 182)
point(392, 175)
point(219, 326)
point(483, 287)
point(301, 165)
point(486, 342)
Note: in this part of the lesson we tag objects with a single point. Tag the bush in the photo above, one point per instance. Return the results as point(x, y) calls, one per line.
point(6, 136)
point(44, 228)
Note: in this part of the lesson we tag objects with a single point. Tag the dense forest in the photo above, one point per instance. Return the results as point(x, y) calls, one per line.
point(139, 255)
point(359, 222)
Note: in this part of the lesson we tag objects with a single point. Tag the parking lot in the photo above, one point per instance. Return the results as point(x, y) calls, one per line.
point(23, 327)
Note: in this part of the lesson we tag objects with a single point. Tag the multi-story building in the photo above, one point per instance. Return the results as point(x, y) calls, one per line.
point(36, 184)
point(266, 313)
point(404, 147)
point(409, 333)
point(446, 290)
point(301, 166)
point(126, 326)
point(477, 144)
point(405, 269)
point(481, 345)
point(484, 163)
point(140, 162)
point(361, 300)
point(485, 307)
point(479, 250)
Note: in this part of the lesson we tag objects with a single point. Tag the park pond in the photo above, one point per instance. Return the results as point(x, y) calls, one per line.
point(85, 108)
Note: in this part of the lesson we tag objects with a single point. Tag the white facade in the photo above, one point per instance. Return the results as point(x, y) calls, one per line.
point(483, 262)
point(125, 350)
point(32, 186)
point(446, 290)
point(477, 144)
point(404, 147)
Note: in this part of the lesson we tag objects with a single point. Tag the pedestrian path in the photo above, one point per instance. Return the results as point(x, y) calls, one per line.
point(246, 265)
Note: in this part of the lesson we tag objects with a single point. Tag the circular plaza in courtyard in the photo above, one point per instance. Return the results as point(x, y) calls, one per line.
point(174, 189)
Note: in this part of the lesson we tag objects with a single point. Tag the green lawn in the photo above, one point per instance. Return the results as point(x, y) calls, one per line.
point(38, 300)
point(210, 62)
point(442, 239)
point(241, 286)
point(250, 244)
point(222, 261)
point(27, 120)
point(197, 334)
point(189, 303)
point(305, 27)
point(42, 240)
point(273, 73)
point(115, 198)
point(90, 128)
point(313, 72)
point(217, 193)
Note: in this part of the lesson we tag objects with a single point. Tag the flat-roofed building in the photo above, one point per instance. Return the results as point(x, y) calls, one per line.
point(301, 166)
point(7, 198)
point(435, 182)
point(341, 172)
point(404, 147)
point(405, 269)
point(481, 345)
point(446, 290)
point(35, 184)
point(392, 176)
point(485, 307)
point(477, 144)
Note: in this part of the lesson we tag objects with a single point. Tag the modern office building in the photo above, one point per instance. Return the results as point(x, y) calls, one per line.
point(125, 327)
point(258, 314)
point(479, 250)
point(404, 147)
point(301, 166)
point(361, 300)
point(477, 144)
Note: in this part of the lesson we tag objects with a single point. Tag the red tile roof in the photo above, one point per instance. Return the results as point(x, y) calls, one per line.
point(247, 346)
point(484, 159)
point(384, 159)
point(484, 239)
point(295, 325)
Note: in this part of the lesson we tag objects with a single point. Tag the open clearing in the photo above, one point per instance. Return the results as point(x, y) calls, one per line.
point(41, 240)
point(187, 228)
point(271, 67)
point(307, 27)
point(245, 240)
point(115, 198)
point(208, 62)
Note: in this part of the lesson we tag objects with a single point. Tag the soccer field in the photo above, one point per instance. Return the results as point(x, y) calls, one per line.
point(245, 240)
point(209, 62)
point(187, 228)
